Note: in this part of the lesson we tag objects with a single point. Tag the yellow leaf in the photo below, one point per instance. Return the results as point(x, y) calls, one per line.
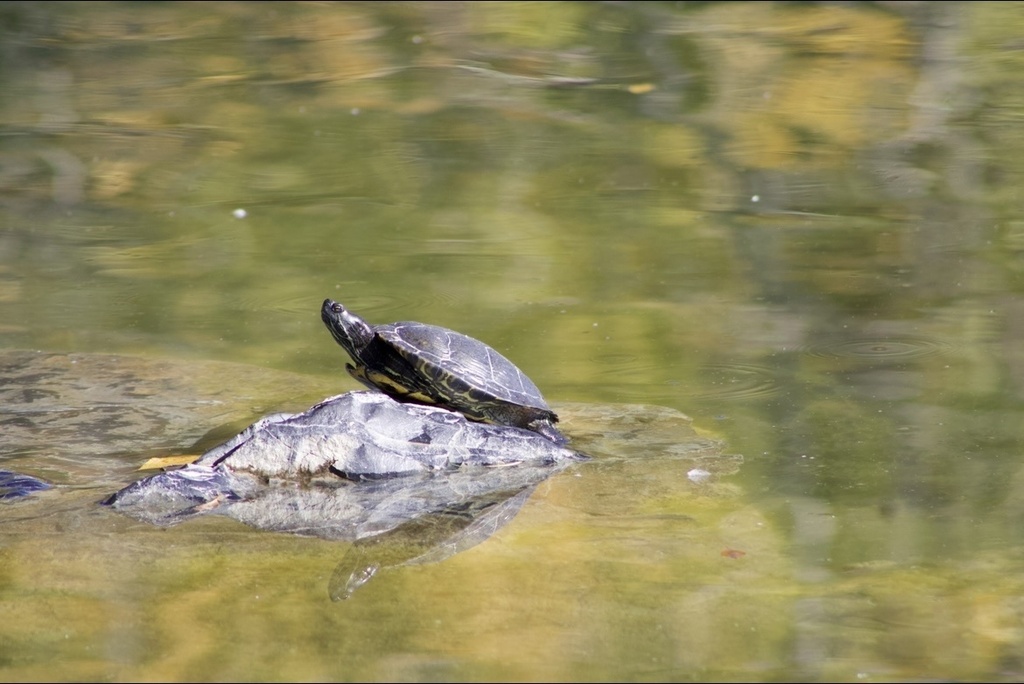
point(167, 462)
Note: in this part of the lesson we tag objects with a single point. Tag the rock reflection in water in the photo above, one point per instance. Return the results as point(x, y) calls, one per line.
point(427, 539)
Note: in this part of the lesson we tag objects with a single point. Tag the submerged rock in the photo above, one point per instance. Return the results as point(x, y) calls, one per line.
point(84, 422)
point(18, 485)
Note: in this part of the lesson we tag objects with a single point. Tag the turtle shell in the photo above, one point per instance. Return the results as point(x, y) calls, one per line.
point(463, 371)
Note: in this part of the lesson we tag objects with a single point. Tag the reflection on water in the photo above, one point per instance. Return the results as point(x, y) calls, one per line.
point(797, 223)
point(428, 539)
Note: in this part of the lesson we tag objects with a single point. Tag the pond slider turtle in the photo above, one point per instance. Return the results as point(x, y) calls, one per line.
point(428, 364)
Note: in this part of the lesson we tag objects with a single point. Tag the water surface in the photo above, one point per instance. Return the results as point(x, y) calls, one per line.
point(799, 224)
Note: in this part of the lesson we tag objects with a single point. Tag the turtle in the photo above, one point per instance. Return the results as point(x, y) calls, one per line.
point(427, 364)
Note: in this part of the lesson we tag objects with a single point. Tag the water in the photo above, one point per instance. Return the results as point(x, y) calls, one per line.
point(797, 224)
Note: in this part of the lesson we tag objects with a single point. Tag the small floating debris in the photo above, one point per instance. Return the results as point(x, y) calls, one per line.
point(698, 475)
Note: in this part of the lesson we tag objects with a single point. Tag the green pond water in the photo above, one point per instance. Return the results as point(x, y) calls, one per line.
point(801, 225)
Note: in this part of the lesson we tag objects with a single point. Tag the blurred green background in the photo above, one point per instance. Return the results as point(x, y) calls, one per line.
point(799, 223)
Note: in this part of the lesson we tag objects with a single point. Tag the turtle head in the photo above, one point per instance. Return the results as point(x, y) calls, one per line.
point(347, 329)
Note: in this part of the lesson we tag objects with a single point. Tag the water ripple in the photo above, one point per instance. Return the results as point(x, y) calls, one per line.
point(737, 381)
point(884, 349)
point(723, 381)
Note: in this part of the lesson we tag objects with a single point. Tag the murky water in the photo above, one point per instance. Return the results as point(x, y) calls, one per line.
point(798, 224)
